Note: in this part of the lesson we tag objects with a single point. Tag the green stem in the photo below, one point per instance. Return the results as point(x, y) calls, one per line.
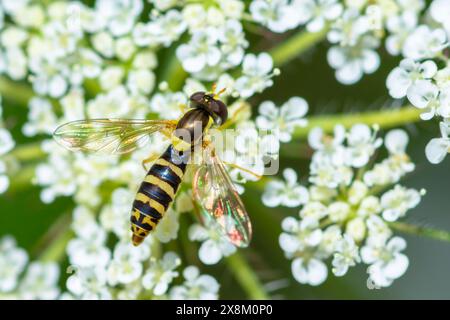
point(432, 233)
point(246, 277)
point(27, 152)
point(53, 245)
point(385, 119)
point(57, 248)
point(296, 45)
point(15, 92)
point(22, 179)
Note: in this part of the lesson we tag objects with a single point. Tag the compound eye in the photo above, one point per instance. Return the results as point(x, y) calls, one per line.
point(220, 111)
point(197, 97)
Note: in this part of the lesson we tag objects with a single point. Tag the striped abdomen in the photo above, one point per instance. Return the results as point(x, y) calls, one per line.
point(157, 192)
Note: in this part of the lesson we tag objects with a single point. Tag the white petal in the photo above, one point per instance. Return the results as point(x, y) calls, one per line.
point(437, 149)
point(396, 141)
point(421, 92)
point(350, 73)
point(398, 82)
point(209, 253)
point(396, 244)
point(396, 267)
point(290, 176)
point(317, 272)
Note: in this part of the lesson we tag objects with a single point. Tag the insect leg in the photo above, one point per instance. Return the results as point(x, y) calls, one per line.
point(258, 176)
point(150, 159)
point(234, 117)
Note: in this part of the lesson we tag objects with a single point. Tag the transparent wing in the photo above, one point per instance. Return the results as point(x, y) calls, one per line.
point(109, 136)
point(219, 201)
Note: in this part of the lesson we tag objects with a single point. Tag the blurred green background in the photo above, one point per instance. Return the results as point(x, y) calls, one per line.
point(309, 76)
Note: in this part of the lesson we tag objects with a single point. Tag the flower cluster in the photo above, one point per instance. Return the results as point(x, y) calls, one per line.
point(358, 28)
point(355, 28)
point(101, 61)
point(423, 76)
point(38, 280)
point(6, 144)
point(346, 211)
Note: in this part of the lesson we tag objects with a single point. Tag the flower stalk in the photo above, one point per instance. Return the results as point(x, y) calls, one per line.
point(296, 45)
point(15, 92)
point(416, 230)
point(246, 277)
point(385, 119)
point(54, 243)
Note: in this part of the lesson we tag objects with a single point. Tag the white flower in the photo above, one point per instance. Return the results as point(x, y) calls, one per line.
point(161, 273)
point(284, 119)
point(338, 211)
point(256, 74)
point(141, 81)
point(289, 193)
point(163, 29)
point(440, 11)
point(89, 284)
point(437, 148)
point(378, 231)
point(444, 108)
point(299, 235)
point(317, 12)
point(407, 73)
point(399, 26)
point(423, 94)
point(41, 118)
point(314, 210)
point(329, 147)
point(277, 15)
point(40, 281)
point(233, 43)
point(346, 256)
point(89, 252)
point(111, 77)
point(215, 245)
point(168, 105)
point(387, 263)
point(200, 52)
point(312, 271)
point(397, 201)
point(396, 141)
point(362, 143)
point(348, 29)
point(120, 15)
point(103, 42)
point(12, 263)
point(168, 227)
point(331, 237)
point(424, 42)
point(6, 141)
point(126, 266)
point(351, 63)
point(196, 286)
point(356, 229)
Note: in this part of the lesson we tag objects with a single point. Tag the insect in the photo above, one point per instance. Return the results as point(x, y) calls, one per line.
point(213, 191)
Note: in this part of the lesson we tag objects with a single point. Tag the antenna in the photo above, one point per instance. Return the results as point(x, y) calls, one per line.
point(217, 94)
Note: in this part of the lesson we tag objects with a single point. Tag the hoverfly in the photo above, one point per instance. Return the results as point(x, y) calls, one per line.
point(213, 191)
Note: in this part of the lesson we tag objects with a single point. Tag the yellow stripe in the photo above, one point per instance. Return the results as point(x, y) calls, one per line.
point(146, 219)
point(172, 167)
point(162, 184)
point(180, 145)
point(152, 203)
point(139, 231)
